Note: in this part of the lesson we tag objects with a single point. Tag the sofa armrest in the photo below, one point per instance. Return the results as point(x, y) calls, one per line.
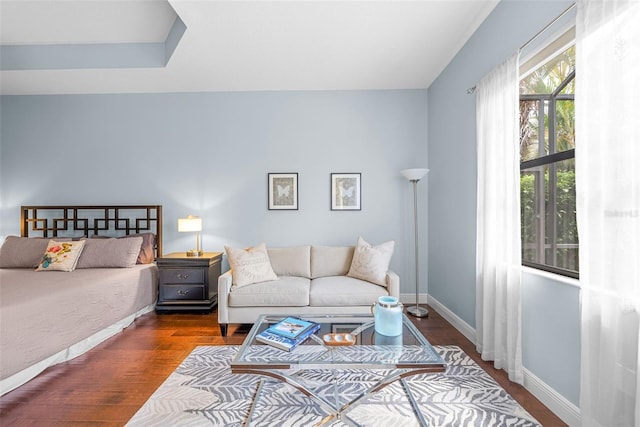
point(225, 281)
point(393, 284)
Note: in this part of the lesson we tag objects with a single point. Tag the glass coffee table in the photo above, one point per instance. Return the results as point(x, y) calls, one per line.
point(395, 357)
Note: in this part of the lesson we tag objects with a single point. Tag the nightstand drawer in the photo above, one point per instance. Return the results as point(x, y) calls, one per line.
point(182, 275)
point(183, 292)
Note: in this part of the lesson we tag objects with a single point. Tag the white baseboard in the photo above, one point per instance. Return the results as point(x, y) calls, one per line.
point(558, 404)
point(565, 410)
point(462, 326)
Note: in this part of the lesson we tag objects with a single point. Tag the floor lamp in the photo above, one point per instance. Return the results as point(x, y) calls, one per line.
point(414, 175)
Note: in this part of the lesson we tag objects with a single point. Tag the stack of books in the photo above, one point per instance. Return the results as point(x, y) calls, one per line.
point(288, 333)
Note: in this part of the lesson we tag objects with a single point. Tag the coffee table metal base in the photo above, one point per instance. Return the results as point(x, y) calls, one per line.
point(394, 358)
point(332, 410)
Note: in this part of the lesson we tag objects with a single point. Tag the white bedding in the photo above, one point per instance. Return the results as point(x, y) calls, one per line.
point(50, 317)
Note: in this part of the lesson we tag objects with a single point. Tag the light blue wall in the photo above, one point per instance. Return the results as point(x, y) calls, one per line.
point(208, 154)
point(452, 197)
point(551, 331)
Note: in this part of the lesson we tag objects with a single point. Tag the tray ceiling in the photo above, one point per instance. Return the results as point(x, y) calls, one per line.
point(111, 46)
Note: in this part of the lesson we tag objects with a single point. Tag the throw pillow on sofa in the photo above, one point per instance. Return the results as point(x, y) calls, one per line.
point(250, 266)
point(371, 263)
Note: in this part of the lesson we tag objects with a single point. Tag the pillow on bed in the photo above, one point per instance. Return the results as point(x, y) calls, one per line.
point(250, 266)
point(110, 253)
point(61, 256)
point(23, 252)
point(148, 249)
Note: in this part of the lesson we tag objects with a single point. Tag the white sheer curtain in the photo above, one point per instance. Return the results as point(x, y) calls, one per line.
point(608, 208)
point(498, 256)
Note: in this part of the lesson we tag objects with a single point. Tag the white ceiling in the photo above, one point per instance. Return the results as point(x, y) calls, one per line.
point(246, 45)
point(68, 21)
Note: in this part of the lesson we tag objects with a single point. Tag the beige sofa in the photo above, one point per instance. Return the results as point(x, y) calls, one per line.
point(310, 280)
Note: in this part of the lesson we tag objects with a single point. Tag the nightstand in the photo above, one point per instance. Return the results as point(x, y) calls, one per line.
point(188, 283)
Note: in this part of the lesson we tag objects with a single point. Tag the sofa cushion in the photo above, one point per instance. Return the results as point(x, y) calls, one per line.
point(343, 291)
point(291, 261)
point(250, 266)
point(287, 291)
point(371, 263)
point(330, 260)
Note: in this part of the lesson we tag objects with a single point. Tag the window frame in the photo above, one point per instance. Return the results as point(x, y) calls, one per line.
point(549, 160)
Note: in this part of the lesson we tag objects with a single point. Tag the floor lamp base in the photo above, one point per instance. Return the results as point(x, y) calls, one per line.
point(417, 311)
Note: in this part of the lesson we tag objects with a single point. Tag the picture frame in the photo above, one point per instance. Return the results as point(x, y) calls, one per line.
point(346, 190)
point(282, 191)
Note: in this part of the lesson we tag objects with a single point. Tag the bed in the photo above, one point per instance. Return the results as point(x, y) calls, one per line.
point(48, 317)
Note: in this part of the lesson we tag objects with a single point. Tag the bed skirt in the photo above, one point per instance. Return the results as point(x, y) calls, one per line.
point(22, 377)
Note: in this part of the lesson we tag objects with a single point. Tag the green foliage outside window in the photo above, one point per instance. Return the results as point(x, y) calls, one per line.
point(566, 237)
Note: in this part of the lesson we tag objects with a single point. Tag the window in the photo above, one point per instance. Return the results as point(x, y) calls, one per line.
point(547, 166)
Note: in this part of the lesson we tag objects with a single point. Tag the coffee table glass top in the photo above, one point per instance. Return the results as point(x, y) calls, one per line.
point(410, 350)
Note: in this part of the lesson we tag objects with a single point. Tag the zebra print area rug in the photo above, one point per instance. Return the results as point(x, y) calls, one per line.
point(203, 391)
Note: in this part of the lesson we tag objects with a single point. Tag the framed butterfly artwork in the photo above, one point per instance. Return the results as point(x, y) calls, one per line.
point(345, 192)
point(283, 191)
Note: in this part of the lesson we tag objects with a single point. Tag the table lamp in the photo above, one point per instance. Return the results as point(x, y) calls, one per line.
point(190, 224)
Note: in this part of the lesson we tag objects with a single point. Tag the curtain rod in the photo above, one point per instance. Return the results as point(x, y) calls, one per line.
point(546, 27)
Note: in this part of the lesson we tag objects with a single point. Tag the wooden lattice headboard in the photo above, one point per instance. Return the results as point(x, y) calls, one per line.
point(78, 221)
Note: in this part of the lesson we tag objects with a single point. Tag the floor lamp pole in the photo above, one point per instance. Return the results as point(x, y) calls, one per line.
point(416, 311)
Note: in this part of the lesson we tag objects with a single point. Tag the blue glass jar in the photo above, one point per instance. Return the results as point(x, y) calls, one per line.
point(387, 316)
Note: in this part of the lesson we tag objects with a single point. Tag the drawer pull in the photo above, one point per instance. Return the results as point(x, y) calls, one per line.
point(183, 276)
point(183, 292)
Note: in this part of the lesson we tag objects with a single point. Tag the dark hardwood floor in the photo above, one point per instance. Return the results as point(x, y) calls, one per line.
point(107, 385)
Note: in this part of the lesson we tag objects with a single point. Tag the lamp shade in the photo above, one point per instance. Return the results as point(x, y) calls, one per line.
point(414, 174)
point(190, 223)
